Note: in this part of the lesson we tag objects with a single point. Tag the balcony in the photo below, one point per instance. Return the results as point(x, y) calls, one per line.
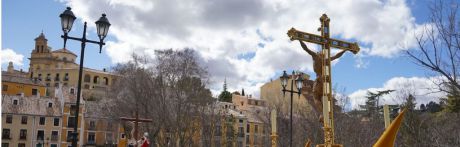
point(54, 137)
point(91, 142)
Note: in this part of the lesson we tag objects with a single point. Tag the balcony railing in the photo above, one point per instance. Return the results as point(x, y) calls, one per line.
point(91, 142)
point(54, 137)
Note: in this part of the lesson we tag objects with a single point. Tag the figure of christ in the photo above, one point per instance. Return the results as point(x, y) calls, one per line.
point(317, 86)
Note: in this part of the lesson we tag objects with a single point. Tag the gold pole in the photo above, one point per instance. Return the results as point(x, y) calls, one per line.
point(273, 120)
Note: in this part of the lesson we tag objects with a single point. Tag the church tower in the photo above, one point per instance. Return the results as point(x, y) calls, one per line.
point(41, 44)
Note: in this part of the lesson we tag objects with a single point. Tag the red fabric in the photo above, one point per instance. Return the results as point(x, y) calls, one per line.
point(145, 143)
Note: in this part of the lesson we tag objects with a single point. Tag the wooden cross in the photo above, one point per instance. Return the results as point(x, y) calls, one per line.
point(326, 42)
point(136, 121)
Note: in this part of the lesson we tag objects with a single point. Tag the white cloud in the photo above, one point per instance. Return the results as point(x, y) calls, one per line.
point(221, 30)
point(424, 90)
point(9, 55)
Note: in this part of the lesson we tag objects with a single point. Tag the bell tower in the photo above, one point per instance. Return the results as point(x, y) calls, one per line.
point(41, 44)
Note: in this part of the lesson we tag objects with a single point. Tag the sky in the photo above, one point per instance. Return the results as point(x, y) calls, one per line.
point(243, 41)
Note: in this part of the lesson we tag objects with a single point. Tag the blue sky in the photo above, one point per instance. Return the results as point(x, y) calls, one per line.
point(245, 45)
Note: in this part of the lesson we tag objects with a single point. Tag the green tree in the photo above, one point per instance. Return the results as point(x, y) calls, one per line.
point(412, 126)
point(453, 100)
point(372, 102)
point(225, 96)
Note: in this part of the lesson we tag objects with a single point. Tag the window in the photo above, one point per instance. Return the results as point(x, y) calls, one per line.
point(92, 125)
point(21, 145)
point(15, 102)
point(73, 109)
point(5, 88)
point(40, 77)
point(53, 145)
point(48, 84)
point(96, 80)
point(240, 132)
point(109, 125)
point(54, 135)
point(87, 78)
point(66, 77)
point(56, 84)
point(57, 77)
point(72, 91)
point(34, 91)
point(91, 138)
point(24, 120)
point(106, 81)
point(50, 105)
point(69, 136)
point(123, 135)
point(86, 86)
point(6, 134)
point(64, 58)
point(42, 120)
point(218, 131)
point(5, 144)
point(48, 77)
point(256, 129)
point(9, 119)
point(23, 134)
point(241, 120)
point(109, 137)
point(71, 122)
point(56, 121)
point(247, 128)
point(40, 135)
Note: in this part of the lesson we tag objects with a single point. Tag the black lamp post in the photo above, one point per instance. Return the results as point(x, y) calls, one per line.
point(67, 19)
point(299, 84)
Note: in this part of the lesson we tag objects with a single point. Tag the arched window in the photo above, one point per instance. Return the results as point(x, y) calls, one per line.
point(106, 81)
point(96, 79)
point(87, 78)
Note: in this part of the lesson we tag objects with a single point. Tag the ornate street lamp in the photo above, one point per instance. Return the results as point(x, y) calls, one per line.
point(299, 83)
point(102, 25)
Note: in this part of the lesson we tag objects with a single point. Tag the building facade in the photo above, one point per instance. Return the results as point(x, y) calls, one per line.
point(30, 121)
point(17, 83)
point(272, 93)
point(58, 67)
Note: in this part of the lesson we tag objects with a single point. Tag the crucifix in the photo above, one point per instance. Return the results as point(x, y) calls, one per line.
point(322, 90)
point(136, 121)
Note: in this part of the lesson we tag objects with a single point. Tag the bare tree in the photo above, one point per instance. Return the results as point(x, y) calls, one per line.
point(439, 44)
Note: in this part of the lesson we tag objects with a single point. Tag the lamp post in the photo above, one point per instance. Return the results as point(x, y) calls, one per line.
point(102, 25)
point(299, 83)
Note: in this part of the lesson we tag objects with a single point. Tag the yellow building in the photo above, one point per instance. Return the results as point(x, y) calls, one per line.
point(17, 83)
point(271, 92)
point(256, 113)
point(67, 96)
point(58, 67)
point(30, 121)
